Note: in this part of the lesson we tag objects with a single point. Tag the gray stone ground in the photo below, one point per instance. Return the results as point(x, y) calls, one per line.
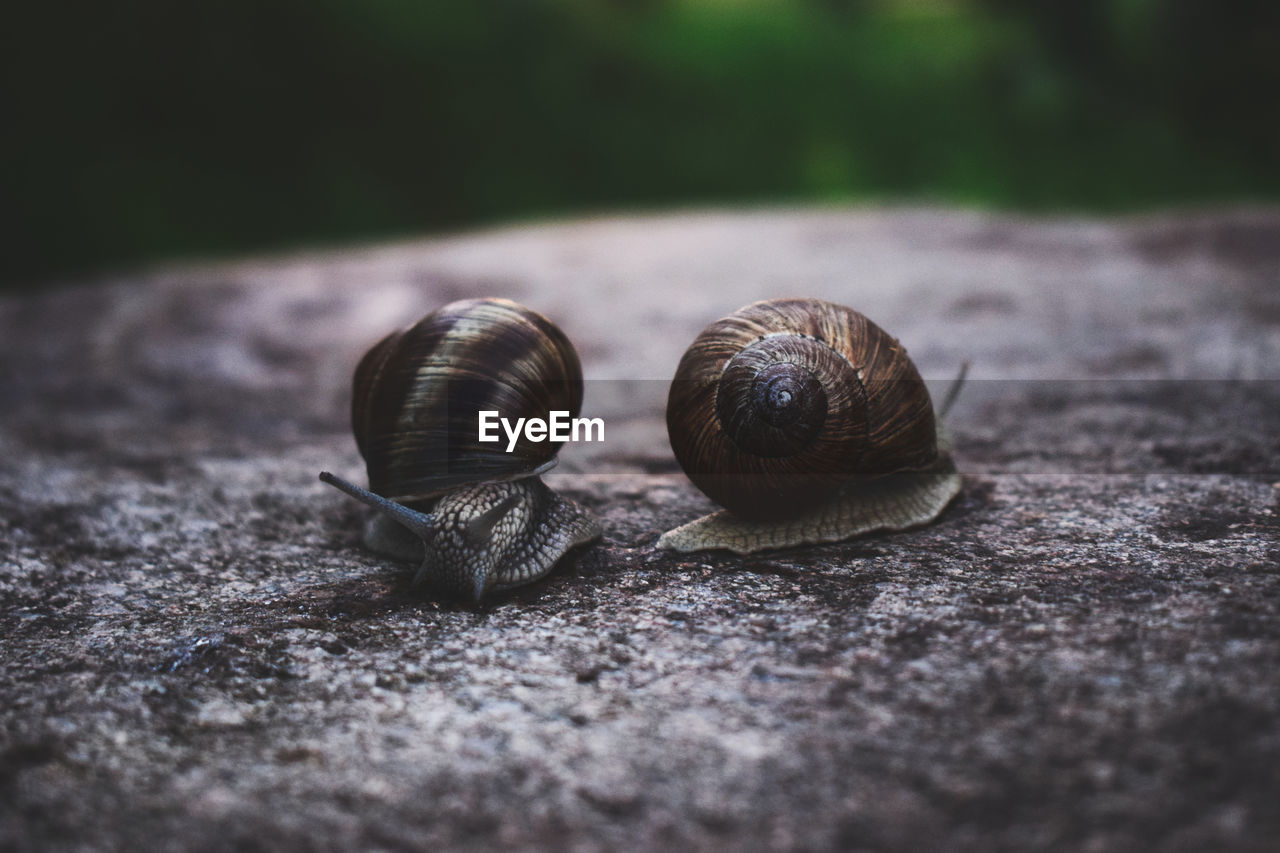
point(1083, 653)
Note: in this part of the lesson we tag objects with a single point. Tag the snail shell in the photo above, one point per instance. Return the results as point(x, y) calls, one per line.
point(808, 423)
point(478, 517)
point(418, 393)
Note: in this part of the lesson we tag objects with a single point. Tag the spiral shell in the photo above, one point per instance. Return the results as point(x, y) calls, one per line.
point(418, 394)
point(782, 403)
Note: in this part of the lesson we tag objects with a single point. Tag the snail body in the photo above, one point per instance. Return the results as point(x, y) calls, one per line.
point(476, 514)
point(808, 423)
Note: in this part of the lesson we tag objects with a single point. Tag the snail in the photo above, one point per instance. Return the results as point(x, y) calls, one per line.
point(475, 514)
point(808, 423)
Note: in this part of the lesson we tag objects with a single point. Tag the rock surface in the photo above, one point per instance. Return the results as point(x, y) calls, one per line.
point(1083, 653)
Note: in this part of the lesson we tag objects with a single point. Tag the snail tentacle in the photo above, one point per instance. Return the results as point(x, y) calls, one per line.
point(953, 393)
point(421, 524)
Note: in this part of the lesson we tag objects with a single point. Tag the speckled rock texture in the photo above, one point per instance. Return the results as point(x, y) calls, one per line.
point(1083, 653)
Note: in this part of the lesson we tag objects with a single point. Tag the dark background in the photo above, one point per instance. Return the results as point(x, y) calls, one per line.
point(144, 130)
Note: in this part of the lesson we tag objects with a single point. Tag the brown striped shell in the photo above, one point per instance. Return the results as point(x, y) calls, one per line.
point(782, 403)
point(418, 394)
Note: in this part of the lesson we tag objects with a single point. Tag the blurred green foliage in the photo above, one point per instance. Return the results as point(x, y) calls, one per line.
point(145, 129)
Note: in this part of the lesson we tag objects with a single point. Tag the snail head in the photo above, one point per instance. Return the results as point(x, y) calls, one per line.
point(463, 538)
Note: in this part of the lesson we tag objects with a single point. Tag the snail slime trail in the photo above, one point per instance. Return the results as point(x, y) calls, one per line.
point(560, 426)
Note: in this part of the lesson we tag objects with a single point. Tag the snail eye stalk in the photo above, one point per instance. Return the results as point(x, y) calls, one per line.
point(480, 528)
point(421, 524)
